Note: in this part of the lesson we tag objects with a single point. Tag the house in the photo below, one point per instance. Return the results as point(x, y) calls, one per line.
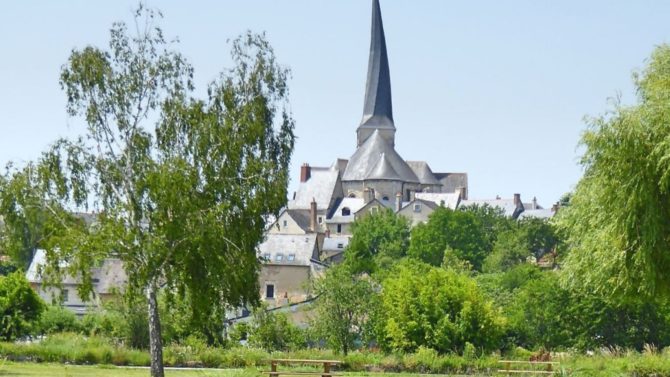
point(108, 280)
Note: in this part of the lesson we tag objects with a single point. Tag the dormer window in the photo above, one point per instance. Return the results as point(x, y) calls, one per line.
point(279, 257)
point(346, 211)
point(386, 198)
point(290, 258)
point(266, 256)
point(417, 207)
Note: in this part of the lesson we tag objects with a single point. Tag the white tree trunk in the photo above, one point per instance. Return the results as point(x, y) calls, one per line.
point(155, 339)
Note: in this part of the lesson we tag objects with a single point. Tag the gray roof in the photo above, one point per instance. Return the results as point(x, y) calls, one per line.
point(354, 204)
point(428, 203)
point(301, 217)
point(109, 276)
point(537, 213)
point(507, 205)
point(450, 199)
point(452, 181)
point(367, 157)
point(320, 187)
point(378, 108)
point(302, 247)
point(423, 172)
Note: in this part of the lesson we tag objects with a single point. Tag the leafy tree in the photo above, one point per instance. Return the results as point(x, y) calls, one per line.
point(20, 306)
point(182, 185)
point(511, 248)
point(618, 221)
point(462, 231)
point(343, 307)
point(436, 308)
point(57, 319)
point(378, 239)
point(493, 220)
point(273, 331)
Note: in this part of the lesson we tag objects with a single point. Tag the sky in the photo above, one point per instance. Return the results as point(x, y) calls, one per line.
point(497, 89)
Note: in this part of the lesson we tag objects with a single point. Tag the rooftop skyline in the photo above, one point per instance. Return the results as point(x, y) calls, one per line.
point(495, 90)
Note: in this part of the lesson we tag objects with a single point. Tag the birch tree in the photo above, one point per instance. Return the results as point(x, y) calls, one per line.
point(181, 186)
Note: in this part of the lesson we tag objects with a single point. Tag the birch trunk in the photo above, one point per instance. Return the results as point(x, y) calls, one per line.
point(155, 338)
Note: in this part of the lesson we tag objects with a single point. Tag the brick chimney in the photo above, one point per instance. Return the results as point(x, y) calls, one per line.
point(368, 195)
point(517, 199)
point(398, 201)
point(555, 208)
point(305, 172)
point(312, 216)
point(534, 202)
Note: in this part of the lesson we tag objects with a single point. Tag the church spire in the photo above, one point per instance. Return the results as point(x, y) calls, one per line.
point(378, 110)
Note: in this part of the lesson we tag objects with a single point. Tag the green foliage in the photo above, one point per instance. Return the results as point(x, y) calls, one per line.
point(493, 221)
point(378, 240)
point(462, 231)
point(273, 331)
point(56, 319)
point(20, 306)
point(526, 238)
point(345, 303)
point(436, 308)
point(618, 221)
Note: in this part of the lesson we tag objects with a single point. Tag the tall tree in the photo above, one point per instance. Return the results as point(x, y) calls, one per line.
point(618, 221)
point(182, 186)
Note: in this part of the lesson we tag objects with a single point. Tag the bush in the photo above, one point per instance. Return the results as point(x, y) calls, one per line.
point(57, 319)
point(20, 306)
point(273, 331)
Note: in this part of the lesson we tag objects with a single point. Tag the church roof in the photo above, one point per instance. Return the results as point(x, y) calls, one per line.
point(320, 187)
point(365, 163)
point(423, 172)
point(378, 109)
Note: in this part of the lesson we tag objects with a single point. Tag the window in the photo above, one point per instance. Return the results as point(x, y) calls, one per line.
point(279, 257)
point(339, 228)
point(386, 198)
point(346, 211)
point(285, 223)
point(269, 291)
point(320, 219)
point(374, 209)
point(340, 246)
point(65, 295)
point(267, 257)
point(417, 207)
point(352, 195)
point(291, 257)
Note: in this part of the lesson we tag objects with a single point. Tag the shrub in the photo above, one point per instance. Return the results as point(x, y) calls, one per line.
point(20, 306)
point(57, 319)
point(273, 331)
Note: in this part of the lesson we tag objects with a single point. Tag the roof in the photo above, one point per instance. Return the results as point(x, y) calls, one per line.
point(427, 203)
point(378, 107)
point(423, 172)
point(109, 276)
point(354, 204)
point(452, 181)
point(383, 170)
point(301, 217)
point(320, 187)
point(302, 247)
point(367, 157)
point(537, 213)
point(450, 199)
point(507, 205)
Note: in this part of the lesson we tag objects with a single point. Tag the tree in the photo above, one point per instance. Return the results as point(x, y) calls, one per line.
point(436, 308)
point(528, 237)
point(20, 306)
point(182, 186)
point(378, 239)
point(459, 230)
point(618, 221)
point(343, 307)
point(273, 331)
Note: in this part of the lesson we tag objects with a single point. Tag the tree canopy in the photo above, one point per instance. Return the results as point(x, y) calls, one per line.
point(618, 221)
point(181, 186)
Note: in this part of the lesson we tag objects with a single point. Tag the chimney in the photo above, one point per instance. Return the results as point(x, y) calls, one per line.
point(327, 233)
point(517, 199)
point(464, 192)
point(534, 202)
point(398, 202)
point(554, 208)
point(312, 216)
point(305, 172)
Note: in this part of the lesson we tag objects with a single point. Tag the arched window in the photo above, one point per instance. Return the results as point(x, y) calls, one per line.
point(346, 211)
point(352, 195)
point(386, 198)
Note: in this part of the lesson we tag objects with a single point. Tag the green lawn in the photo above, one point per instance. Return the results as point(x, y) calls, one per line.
point(60, 370)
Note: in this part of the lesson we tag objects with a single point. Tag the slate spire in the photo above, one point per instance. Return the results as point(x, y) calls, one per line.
point(378, 109)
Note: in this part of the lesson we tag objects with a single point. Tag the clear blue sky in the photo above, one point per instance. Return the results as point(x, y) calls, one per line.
point(497, 89)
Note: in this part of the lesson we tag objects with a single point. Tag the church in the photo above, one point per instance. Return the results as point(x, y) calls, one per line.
point(315, 227)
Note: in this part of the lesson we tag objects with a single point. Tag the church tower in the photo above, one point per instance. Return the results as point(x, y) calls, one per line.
point(378, 109)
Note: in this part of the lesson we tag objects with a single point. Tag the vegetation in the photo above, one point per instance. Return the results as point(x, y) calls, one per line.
point(20, 306)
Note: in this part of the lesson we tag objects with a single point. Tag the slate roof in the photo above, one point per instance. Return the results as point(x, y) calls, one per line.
point(423, 172)
point(333, 243)
point(537, 213)
point(378, 108)
point(383, 170)
point(507, 205)
point(450, 199)
point(354, 204)
point(428, 203)
point(303, 247)
point(452, 181)
point(320, 187)
point(106, 278)
point(301, 217)
point(367, 157)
